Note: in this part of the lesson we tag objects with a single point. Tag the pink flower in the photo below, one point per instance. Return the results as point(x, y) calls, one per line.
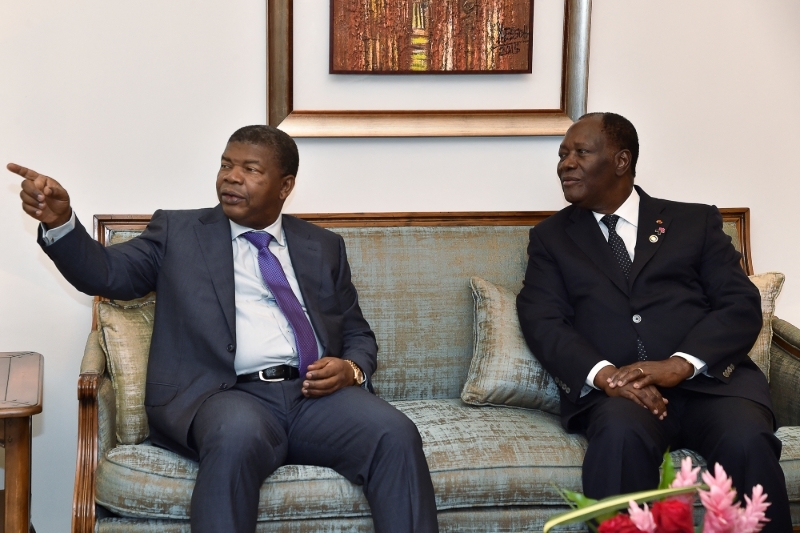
point(721, 512)
point(686, 477)
point(641, 518)
point(751, 519)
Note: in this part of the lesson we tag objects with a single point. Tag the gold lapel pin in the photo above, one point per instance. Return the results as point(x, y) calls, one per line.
point(653, 238)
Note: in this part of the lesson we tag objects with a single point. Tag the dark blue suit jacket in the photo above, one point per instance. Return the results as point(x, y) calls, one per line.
point(187, 258)
point(576, 308)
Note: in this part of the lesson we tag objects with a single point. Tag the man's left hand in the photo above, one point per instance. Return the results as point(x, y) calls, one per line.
point(667, 373)
point(327, 375)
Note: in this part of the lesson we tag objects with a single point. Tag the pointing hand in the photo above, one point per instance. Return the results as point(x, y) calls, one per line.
point(43, 198)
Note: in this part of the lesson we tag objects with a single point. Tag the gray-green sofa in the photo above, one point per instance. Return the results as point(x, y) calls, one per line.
point(493, 468)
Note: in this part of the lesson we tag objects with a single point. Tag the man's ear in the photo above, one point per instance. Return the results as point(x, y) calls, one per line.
point(622, 162)
point(287, 184)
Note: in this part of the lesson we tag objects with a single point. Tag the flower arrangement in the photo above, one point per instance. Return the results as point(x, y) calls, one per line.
point(671, 511)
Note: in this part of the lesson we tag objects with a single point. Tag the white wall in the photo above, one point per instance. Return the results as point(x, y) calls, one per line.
point(130, 104)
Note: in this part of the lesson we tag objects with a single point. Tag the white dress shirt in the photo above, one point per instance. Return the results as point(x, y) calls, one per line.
point(264, 337)
point(626, 228)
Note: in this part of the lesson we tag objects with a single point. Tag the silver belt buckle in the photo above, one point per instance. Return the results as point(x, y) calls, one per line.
point(272, 380)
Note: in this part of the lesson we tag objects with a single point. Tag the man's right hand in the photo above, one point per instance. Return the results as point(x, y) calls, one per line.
point(649, 397)
point(43, 198)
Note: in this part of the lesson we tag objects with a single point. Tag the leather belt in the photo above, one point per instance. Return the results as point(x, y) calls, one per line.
point(271, 374)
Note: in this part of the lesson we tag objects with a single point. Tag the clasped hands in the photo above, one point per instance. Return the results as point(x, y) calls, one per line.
point(640, 382)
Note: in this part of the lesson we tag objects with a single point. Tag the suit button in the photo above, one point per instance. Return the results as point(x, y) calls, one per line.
point(230, 348)
point(566, 390)
point(223, 386)
point(637, 319)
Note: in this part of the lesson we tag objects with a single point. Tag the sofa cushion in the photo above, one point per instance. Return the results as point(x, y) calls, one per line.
point(479, 457)
point(470, 467)
point(125, 333)
point(769, 285)
point(503, 371)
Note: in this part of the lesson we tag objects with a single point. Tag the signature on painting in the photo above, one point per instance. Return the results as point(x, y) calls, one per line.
point(510, 38)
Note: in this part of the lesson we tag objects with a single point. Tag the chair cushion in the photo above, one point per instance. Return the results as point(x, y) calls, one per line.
point(769, 285)
point(503, 371)
point(125, 333)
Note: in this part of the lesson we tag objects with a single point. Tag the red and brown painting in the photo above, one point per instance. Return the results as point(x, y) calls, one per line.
point(431, 36)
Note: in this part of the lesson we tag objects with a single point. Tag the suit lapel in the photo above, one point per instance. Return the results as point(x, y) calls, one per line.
point(306, 255)
point(214, 240)
point(582, 228)
point(651, 218)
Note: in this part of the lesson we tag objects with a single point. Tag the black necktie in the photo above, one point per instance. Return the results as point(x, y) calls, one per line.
point(624, 260)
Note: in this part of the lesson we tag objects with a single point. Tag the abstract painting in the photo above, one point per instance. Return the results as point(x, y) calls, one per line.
point(431, 36)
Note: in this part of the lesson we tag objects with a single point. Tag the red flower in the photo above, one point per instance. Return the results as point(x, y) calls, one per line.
point(619, 524)
point(673, 516)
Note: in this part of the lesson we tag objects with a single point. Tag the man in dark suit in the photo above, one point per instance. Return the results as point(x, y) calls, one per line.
point(640, 311)
point(260, 355)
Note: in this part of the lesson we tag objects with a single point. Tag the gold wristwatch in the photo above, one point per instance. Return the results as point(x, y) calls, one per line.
point(358, 375)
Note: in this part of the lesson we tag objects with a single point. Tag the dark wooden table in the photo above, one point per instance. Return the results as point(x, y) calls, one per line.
point(20, 398)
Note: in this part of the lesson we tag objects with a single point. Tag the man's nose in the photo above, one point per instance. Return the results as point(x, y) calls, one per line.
point(567, 162)
point(234, 175)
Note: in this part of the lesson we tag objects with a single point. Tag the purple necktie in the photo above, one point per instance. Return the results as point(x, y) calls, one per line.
point(275, 278)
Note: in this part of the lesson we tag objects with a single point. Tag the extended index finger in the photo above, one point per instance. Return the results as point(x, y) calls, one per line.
point(25, 172)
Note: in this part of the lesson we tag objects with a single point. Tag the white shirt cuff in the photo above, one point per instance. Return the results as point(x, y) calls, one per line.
point(49, 236)
point(587, 388)
point(699, 365)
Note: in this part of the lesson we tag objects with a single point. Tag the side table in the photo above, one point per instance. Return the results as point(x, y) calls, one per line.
point(20, 398)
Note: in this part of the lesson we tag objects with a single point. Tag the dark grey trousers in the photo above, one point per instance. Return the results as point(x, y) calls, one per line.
point(244, 434)
point(627, 444)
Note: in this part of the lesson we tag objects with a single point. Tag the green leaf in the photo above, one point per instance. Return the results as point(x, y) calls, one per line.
point(613, 503)
point(667, 471)
point(580, 500)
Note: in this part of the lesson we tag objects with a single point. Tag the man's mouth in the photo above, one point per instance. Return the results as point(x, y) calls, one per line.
point(568, 181)
point(230, 197)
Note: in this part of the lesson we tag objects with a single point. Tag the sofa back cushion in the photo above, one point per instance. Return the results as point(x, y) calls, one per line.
point(413, 286)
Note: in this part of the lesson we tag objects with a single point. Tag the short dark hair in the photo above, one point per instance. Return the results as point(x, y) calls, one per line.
point(282, 145)
point(621, 133)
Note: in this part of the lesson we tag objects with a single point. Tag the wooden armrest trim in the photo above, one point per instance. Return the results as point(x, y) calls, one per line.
point(83, 510)
point(786, 346)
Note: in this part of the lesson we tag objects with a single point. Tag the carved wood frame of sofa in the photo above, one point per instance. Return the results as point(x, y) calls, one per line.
point(785, 349)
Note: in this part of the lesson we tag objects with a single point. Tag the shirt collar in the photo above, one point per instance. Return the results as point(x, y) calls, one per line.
point(275, 229)
point(628, 211)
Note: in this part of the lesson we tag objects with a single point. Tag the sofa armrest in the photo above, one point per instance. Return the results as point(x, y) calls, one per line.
point(785, 372)
point(96, 416)
point(94, 358)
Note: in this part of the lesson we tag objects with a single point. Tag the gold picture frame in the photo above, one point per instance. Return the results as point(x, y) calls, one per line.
point(458, 123)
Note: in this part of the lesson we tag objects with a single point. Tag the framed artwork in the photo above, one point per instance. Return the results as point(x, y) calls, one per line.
point(431, 36)
point(357, 120)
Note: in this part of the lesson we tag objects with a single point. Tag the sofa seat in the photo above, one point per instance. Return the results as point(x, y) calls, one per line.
point(480, 457)
point(467, 460)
